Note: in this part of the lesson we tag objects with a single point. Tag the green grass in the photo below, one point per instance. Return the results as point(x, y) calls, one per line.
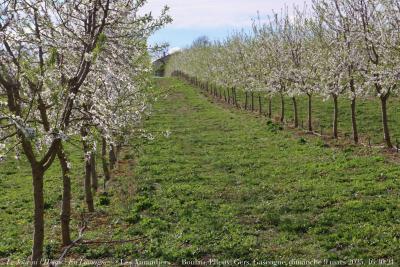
point(369, 120)
point(223, 184)
point(229, 185)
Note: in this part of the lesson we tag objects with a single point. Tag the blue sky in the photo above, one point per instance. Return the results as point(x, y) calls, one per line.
point(213, 18)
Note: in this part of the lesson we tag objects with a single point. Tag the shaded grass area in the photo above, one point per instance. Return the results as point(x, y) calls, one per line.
point(211, 182)
point(369, 118)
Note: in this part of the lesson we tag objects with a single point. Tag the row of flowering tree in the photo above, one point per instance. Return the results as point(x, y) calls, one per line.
point(71, 69)
point(333, 49)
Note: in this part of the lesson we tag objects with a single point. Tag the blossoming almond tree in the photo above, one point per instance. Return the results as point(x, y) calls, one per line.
point(333, 73)
point(280, 64)
point(339, 16)
point(379, 35)
point(265, 66)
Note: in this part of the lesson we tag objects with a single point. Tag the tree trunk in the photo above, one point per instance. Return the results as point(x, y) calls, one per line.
point(252, 101)
point(88, 189)
point(38, 197)
point(88, 172)
point(93, 171)
point(235, 97)
point(354, 120)
point(270, 107)
point(259, 104)
point(106, 169)
point(353, 113)
point(115, 154)
point(295, 111)
point(246, 101)
point(282, 108)
point(229, 96)
point(386, 132)
point(335, 116)
point(113, 157)
point(65, 215)
point(310, 127)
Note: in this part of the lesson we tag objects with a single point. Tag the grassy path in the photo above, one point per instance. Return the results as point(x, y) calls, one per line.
point(218, 183)
point(227, 185)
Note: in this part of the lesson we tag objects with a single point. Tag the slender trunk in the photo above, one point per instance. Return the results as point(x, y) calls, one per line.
point(310, 127)
point(252, 101)
point(229, 96)
point(115, 154)
point(38, 197)
point(335, 116)
point(225, 95)
point(353, 113)
point(234, 97)
point(65, 215)
point(106, 169)
point(88, 171)
point(270, 107)
point(282, 108)
point(354, 120)
point(246, 101)
point(113, 157)
point(87, 185)
point(295, 111)
point(259, 104)
point(93, 171)
point(386, 132)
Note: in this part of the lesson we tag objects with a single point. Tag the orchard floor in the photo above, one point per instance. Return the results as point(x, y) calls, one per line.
point(213, 183)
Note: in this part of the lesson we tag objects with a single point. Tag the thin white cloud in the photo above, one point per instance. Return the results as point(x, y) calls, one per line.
point(218, 13)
